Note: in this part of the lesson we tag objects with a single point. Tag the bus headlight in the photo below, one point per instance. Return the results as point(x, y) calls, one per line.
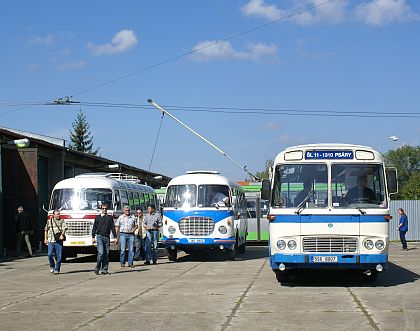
point(171, 229)
point(222, 229)
point(368, 244)
point(281, 244)
point(292, 244)
point(379, 244)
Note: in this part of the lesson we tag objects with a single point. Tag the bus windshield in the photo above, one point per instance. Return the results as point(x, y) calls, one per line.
point(212, 195)
point(300, 185)
point(178, 196)
point(87, 199)
point(358, 185)
point(92, 198)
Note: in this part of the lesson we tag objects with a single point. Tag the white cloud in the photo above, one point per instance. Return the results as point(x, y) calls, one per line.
point(271, 126)
point(380, 12)
point(46, 40)
point(261, 9)
point(333, 12)
point(72, 65)
point(209, 50)
point(33, 67)
point(122, 42)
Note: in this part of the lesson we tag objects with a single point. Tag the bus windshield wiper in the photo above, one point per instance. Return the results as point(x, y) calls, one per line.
point(354, 203)
point(301, 206)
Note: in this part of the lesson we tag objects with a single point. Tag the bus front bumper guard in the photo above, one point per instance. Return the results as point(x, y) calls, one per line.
point(177, 242)
point(342, 261)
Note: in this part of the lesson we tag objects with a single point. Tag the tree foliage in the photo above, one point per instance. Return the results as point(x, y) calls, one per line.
point(407, 161)
point(81, 137)
point(265, 173)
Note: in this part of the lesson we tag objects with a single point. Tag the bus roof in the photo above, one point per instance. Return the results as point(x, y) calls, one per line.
point(101, 180)
point(199, 178)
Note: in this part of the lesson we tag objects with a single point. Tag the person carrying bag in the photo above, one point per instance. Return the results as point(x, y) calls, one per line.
point(54, 235)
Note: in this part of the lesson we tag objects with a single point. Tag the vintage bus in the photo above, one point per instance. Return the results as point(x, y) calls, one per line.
point(204, 211)
point(79, 200)
point(329, 209)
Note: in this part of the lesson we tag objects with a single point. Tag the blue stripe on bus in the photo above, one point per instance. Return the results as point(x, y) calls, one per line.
point(216, 215)
point(329, 219)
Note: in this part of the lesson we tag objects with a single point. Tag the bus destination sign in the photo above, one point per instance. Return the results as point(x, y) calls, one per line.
point(336, 155)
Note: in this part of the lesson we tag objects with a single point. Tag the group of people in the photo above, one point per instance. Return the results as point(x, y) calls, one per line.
point(138, 234)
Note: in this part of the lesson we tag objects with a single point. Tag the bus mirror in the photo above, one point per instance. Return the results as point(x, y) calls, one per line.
point(391, 180)
point(43, 207)
point(265, 189)
point(226, 201)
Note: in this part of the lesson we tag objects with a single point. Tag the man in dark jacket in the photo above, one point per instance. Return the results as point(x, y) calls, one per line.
point(24, 229)
point(102, 227)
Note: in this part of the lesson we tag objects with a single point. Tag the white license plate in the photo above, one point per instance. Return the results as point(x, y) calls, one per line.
point(327, 259)
point(196, 240)
point(77, 243)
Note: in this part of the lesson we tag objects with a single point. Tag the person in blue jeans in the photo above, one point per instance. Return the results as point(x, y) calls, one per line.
point(403, 228)
point(54, 233)
point(102, 227)
point(126, 225)
point(152, 222)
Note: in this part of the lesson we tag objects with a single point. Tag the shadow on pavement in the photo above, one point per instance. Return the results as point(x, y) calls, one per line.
point(251, 253)
point(395, 275)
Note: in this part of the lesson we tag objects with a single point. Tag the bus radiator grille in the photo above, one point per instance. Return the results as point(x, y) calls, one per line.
point(330, 244)
point(79, 228)
point(196, 226)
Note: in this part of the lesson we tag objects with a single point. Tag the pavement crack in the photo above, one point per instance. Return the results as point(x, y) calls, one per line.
point(242, 298)
point(110, 310)
point(364, 310)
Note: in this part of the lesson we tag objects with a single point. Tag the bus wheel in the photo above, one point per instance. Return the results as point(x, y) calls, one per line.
point(282, 276)
point(369, 278)
point(172, 254)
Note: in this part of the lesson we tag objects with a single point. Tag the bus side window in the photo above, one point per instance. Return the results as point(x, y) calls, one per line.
point(124, 198)
point(142, 203)
point(131, 200)
point(117, 201)
point(136, 200)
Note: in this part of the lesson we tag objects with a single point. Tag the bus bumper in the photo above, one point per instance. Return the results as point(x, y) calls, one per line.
point(188, 244)
point(343, 261)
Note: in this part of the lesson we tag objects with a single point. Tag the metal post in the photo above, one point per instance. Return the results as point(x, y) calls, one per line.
point(258, 215)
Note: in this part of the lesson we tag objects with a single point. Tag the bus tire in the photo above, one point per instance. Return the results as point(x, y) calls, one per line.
point(172, 254)
point(282, 276)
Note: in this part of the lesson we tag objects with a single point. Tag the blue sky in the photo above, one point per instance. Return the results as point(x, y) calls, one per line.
point(342, 56)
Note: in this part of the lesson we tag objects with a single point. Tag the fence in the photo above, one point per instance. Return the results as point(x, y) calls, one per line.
point(412, 209)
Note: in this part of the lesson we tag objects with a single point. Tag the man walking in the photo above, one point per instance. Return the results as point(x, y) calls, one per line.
point(24, 229)
point(54, 233)
point(102, 227)
point(152, 223)
point(126, 225)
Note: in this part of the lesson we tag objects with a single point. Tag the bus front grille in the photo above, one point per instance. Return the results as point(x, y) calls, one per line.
point(79, 228)
point(196, 226)
point(329, 244)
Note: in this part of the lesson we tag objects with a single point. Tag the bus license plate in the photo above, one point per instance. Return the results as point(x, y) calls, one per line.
point(196, 240)
point(327, 259)
point(77, 242)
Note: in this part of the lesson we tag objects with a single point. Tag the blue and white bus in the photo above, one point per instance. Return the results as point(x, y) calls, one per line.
point(329, 209)
point(204, 211)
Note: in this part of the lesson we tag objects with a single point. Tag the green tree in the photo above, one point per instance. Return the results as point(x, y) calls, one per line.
point(81, 137)
point(265, 173)
point(407, 161)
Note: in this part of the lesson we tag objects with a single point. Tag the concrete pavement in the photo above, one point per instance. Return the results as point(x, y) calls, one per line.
point(207, 293)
